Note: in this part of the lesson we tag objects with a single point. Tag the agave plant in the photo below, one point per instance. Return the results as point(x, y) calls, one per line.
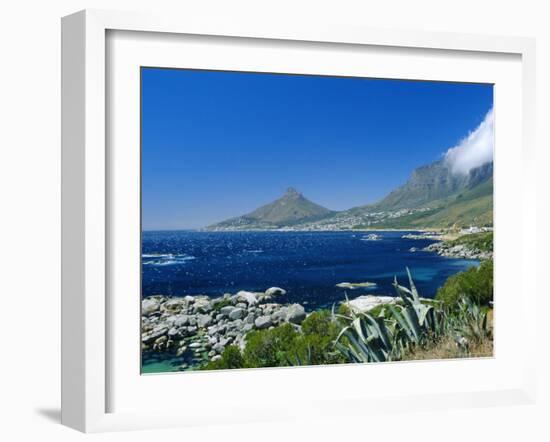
point(400, 327)
point(471, 322)
point(418, 318)
point(393, 331)
point(369, 339)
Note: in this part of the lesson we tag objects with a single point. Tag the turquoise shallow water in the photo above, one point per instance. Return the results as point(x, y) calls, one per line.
point(169, 364)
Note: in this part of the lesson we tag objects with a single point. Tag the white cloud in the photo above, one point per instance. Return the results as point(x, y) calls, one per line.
point(474, 150)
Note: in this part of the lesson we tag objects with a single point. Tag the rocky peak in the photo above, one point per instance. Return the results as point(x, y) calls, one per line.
point(291, 192)
point(291, 208)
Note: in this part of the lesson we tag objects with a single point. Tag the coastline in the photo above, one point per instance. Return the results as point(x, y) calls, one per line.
point(185, 332)
point(452, 246)
point(199, 328)
point(286, 230)
point(445, 232)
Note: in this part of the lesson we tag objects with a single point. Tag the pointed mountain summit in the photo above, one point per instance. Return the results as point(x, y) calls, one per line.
point(290, 209)
point(292, 192)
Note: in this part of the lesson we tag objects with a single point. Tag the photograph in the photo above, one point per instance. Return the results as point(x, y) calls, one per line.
point(293, 220)
point(267, 220)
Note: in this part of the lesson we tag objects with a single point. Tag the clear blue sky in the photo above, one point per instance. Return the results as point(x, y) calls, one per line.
point(219, 144)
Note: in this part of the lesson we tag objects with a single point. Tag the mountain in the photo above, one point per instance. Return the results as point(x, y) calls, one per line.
point(432, 197)
point(431, 183)
point(472, 206)
point(290, 209)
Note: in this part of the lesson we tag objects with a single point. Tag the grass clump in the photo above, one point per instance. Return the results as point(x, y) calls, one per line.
point(470, 334)
point(447, 348)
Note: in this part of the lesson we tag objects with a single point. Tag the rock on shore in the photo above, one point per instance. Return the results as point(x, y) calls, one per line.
point(368, 302)
point(423, 235)
point(204, 326)
point(356, 285)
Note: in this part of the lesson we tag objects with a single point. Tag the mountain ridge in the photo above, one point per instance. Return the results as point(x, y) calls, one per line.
point(433, 196)
point(432, 182)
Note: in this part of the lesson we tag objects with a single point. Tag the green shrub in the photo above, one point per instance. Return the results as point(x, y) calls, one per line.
point(475, 284)
point(285, 345)
point(270, 348)
point(316, 344)
point(319, 323)
point(231, 358)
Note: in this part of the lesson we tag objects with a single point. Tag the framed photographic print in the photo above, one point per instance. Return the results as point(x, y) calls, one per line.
point(232, 280)
point(252, 212)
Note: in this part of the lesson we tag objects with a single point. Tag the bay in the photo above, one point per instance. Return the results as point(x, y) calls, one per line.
point(308, 265)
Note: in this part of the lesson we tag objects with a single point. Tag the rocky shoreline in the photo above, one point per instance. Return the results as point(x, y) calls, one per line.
point(448, 249)
point(424, 235)
point(457, 251)
point(200, 327)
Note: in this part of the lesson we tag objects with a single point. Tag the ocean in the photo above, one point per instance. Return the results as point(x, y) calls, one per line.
point(308, 265)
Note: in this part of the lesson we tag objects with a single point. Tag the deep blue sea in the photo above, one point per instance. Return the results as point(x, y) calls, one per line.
point(307, 265)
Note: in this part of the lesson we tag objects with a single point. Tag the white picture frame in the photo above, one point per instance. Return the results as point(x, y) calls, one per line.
point(87, 206)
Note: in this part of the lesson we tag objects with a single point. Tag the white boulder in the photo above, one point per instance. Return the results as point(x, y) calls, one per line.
point(368, 302)
point(274, 291)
